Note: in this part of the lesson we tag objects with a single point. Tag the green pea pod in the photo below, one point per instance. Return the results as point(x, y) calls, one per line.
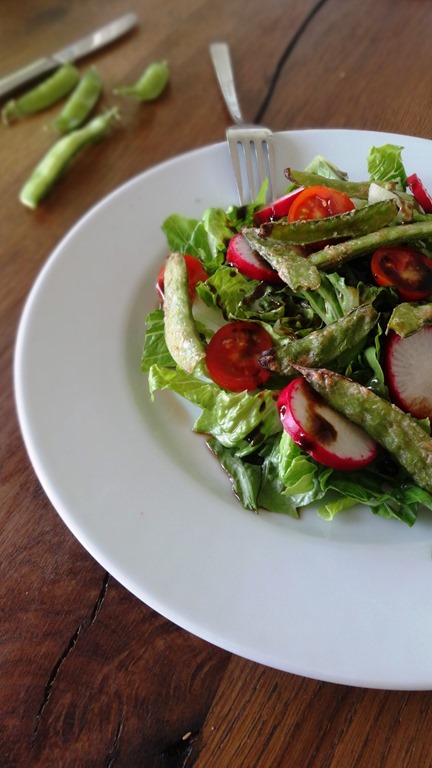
point(291, 264)
point(351, 224)
point(395, 430)
point(181, 335)
point(408, 318)
point(334, 255)
point(323, 346)
point(358, 189)
point(60, 155)
point(79, 105)
point(150, 85)
point(44, 95)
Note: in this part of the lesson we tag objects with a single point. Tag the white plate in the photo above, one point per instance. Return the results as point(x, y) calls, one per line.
point(348, 601)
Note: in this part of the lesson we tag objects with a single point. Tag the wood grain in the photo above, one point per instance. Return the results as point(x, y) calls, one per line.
point(261, 717)
point(91, 676)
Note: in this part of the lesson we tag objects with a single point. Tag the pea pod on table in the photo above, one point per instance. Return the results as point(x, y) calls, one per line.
point(150, 85)
point(42, 96)
point(81, 102)
point(60, 155)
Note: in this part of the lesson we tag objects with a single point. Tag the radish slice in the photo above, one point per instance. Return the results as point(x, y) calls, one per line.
point(408, 370)
point(420, 192)
point(326, 435)
point(248, 261)
point(277, 209)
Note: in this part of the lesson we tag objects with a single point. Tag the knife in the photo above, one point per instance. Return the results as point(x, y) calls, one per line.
point(72, 52)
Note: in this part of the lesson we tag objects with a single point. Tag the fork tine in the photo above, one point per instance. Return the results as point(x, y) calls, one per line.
point(253, 161)
point(250, 146)
point(271, 166)
point(250, 156)
point(235, 160)
point(261, 152)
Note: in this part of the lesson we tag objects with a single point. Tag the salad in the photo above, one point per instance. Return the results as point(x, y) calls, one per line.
point(302, 330)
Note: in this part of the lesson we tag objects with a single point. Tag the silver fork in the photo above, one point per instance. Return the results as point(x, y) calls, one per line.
point(251, 146)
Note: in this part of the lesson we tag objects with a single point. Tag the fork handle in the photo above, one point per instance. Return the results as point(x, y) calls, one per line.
point(220, 56)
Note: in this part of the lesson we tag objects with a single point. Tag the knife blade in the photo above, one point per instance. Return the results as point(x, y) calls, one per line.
point(86, 45)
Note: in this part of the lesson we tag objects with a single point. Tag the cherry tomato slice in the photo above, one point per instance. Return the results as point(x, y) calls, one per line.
point(406, 269)
point(196, 274)
point(233, 354)
point(319, 203)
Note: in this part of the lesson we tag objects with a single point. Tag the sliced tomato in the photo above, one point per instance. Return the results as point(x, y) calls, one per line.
point(318, 203)
point(196, 274)
point(233, 354)
point(404, 268)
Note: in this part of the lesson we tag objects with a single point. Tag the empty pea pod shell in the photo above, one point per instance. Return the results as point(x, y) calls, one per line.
point(150, 85)
point(44, 95)
point(59, 156)
point(81, 102)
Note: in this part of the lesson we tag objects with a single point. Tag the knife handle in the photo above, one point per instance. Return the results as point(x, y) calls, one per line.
point(26, 74)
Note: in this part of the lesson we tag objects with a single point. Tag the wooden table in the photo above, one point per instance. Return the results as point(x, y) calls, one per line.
point(90, 676)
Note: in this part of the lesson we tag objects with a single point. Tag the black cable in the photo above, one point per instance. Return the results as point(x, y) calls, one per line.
point(282, 61)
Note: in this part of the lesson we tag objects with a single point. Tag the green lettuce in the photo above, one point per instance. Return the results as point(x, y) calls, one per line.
point(323, 167)
point(155, 348)
point(243, 429)
point(239, 420)
point(188, 236)
point(385, 164)
point(240, 298)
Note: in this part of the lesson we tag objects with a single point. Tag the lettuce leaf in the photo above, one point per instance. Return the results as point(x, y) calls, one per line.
point(240, 298)
point(155, 349)
point(239, 420)
point(323, 167)
point(188, 236)
point(385, 164)
point(245, 477)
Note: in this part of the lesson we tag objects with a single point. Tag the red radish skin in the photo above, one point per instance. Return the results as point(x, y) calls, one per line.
point(249, 262)
point(327, 436)
point(277, 209)
point(408, 371)
point(420, 192)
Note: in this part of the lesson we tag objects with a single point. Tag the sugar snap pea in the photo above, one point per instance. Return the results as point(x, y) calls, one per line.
point(60, 155)
point(150, 85)
point(290, 263)
point(44, 95)
point(408, 318)
point(351, 224)
point(356, 189)
point(81, 102)
point(181, 335)
point(323, 346)
point(395, 430)
point(332, 256)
